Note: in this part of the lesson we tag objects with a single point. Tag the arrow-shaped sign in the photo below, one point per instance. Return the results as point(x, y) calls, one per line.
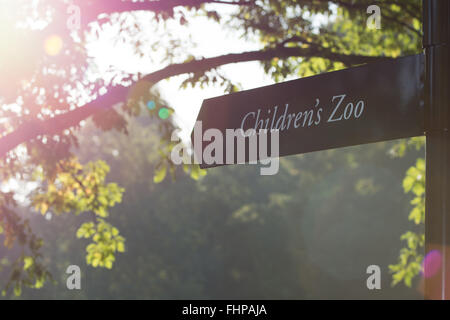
point(370, 103)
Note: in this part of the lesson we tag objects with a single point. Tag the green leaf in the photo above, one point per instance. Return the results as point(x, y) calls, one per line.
point(418, 189)
point(408, 183)
point(28, 262)
point(39, 283)
point(196, 172)
point(95, 262)
point(81, 232)
point(420, 164)
point(415, 215)
point(17, 290)
point(160, 173)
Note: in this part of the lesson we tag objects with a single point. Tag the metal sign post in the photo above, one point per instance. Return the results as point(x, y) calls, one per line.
point(436, 42)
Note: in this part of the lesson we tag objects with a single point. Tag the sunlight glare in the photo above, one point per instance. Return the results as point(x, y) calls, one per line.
point(53, 45)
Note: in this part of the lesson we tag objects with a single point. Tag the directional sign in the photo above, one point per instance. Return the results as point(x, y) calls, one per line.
point(370, 103)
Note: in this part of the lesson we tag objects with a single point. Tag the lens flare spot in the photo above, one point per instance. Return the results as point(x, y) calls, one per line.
point(431, 263)
point(151, 105)
point(164, 113)
point(53, 45)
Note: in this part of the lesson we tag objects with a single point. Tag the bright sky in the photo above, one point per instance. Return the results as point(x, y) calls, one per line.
point(212, 40)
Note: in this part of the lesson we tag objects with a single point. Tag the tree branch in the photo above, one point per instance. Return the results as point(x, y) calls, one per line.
point(118, 94)
point(91, 9)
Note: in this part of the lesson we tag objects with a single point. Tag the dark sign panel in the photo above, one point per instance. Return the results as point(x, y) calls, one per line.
point(370, 103)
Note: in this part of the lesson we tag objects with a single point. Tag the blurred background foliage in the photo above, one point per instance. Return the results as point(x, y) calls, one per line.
point(308, 232)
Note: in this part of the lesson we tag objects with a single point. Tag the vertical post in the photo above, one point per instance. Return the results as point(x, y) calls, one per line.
point(436, 42)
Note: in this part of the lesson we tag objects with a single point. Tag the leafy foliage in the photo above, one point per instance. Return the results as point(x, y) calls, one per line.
point(308, 232)
point(106, 242)
point(410, 259)
point(27, 269)
point(79, 189)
